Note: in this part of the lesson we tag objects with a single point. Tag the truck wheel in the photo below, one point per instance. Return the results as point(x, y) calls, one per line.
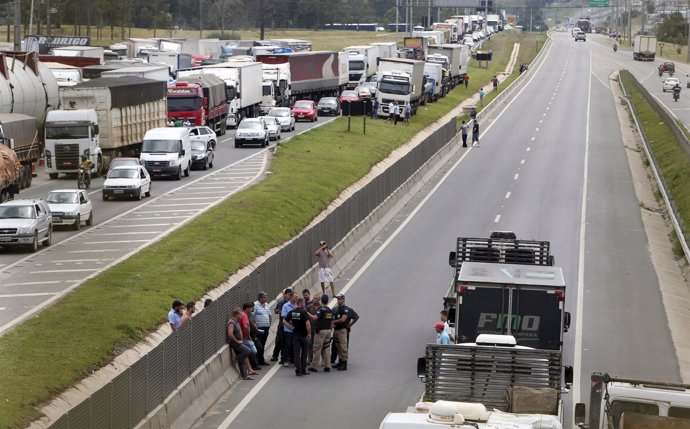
point(53, 176)
point(178, 176)
point(77, 224)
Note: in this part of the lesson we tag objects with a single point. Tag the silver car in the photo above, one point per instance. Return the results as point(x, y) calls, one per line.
point(284, 116)
point(273, 126)
point(25, 223)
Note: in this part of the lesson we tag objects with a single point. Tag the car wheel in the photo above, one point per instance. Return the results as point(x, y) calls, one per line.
point(148, 191)
point(105, 197)
point(49, 238)
point(210, 164)
point(178, 176)
point(293, 127)
point(205, 167)
point(33, 247)
point(89, 221)
point(139, 195)
point(53, 176)
point(186, 171)
point(77, 223)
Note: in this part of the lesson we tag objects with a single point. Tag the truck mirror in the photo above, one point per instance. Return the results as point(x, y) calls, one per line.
point(421, 368)
point(206, 101)
point(580, 412)
point(568, 375)
point(182, 152)
point(95, 130)
point(10, 143)
point(566, 321)
point(452, 259)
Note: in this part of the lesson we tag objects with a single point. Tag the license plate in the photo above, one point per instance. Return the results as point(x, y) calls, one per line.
point(301, 116)
point(156, 170)
point(118, 191)
point(5, 239)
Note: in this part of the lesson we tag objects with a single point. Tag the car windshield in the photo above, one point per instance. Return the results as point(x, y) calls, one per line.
point(198, 146)
point(120, 162)
point(17, 212)
point(328, 102)
point(250, 125)
point(279, 113)
point(161, 146)
point(303, 105)
point(63, 198)
point(349, 94)
point(123, 173)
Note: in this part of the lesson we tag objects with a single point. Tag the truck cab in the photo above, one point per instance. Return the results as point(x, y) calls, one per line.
point(69, 134)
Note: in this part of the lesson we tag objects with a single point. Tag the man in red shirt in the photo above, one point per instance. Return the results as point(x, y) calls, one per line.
point(247, 309)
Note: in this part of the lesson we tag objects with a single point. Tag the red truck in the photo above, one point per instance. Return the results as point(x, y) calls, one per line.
point(201, 100)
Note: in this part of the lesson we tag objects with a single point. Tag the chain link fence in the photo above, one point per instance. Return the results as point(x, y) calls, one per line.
point(144, 386)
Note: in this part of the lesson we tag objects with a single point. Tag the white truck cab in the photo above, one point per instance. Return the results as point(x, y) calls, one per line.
point(167, 152)
point(69, 134)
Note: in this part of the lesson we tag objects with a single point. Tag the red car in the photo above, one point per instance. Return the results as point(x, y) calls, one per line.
point(305, 109)
point(349, 95)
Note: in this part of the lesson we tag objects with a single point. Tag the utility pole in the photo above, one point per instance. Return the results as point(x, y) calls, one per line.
point(428, 15)
point(17, 25)
point(687, 17)
point(200, 23)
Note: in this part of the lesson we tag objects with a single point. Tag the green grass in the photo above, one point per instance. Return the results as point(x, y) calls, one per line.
point(84, 331)
point(672, 161)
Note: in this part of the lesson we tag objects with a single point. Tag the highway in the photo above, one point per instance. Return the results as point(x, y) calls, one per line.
point(29, 282)
point(552, 167)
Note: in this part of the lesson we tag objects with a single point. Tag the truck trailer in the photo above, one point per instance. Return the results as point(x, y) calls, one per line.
point(102, 118)
point(154, 72)
point(386, 49)
point(454, 58)
point(199, 99)
point(645, 48)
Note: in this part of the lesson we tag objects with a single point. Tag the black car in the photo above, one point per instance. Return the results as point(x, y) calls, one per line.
point(202, 154)
point(329, 106)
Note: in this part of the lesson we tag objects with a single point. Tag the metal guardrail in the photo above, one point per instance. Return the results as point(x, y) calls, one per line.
point(680, 137)
point(484, 374)
point(128, 398)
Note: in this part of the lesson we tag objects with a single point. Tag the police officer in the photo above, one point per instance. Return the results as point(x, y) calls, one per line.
point(344, 318)
point(324, 332)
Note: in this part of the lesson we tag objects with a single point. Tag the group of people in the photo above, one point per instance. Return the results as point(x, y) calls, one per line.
point(247, 334)
point(399, 112)
point(464, 128)
point(444, 333)
point(181, 313)
point(179, 123)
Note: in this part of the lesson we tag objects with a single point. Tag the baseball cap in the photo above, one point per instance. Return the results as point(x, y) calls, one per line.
point(340, 296)
point(322, 242)
point(439, 325)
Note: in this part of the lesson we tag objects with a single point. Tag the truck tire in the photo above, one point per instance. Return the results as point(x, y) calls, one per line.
point(53, 176)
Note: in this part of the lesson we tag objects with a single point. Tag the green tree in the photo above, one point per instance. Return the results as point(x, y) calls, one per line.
point(673, 29)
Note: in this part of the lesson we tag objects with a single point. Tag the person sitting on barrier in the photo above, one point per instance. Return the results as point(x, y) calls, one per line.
point(235, 341)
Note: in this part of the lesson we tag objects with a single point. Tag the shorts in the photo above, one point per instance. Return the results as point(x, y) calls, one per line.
point(325, 275)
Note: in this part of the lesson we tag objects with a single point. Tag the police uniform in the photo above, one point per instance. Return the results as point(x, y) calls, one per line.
point(340, 331)
point(322, 340)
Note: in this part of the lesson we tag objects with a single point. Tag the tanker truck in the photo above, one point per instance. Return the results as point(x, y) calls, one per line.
point(103, 118)
point(29, 90)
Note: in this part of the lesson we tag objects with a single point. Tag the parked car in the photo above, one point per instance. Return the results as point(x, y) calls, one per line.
point(70, 207)
point(305, 109)
point(202, 154)
point(468, 41)
point(273, 127)
point(284, 116)
point(581, 36)
point(117, 162)
point(25, 223)
point(127, 181)
point(329, 106)
point(670, 83)
point(203, 133)
point(667, 67)
point(251, 131)
point(349, 95)
point(371, 86)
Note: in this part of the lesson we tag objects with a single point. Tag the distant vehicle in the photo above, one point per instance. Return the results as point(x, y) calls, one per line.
point(117, 162)
point(203, 133)
point(469, 41)
point(70, 207)
point(350, 95)
point(284, 116)
point(371, 86)
point(25, 223)
point(251, 131)
point(167, 151)
point(305, 109)
point(202, 154)
point(273, 127)
point(127, 181)
point(380, 29)
point(581, 36)
point(670, 83)
point(667, 67)
point(329, 106)
point(574, 31)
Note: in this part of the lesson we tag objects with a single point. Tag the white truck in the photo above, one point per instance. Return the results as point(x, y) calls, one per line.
point(174, 60)
point(276, 87)
point(493, 22)
point(399, 80)
point(80, 51)
point(65, 75)
point(102, 118)
point(243, 86)
point(154, 72)
point(645, 48)
point(386, 49)
point(454, 58)
point(451, 28)
point(433, 88)
point(362, 63)
point(435, 37)
point(655, 404)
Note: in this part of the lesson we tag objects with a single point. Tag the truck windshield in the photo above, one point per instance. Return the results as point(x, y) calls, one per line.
point(356, 65)
point(67, 132)
point(266, 90)
point(183, 104)
point(394, 87)
point(161, 146)
point(230, 92)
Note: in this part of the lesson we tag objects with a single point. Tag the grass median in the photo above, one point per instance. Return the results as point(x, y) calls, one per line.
point(84, 331)
point(672, 161)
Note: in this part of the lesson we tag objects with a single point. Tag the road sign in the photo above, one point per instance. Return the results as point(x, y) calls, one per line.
point(661, 45)
point(598, 3)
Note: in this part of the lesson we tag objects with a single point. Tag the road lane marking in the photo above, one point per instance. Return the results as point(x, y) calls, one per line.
point(516, 176)
point(68, 270)
point(507, 195)
point(47, 282)
point(115, 241)
point(532, 139)
point(26, 295)
point(79, 260)
point(160, 217)
point(497, 218)
point(143, 225)
point(130, 233)
point(528, 149)
point(94, 251)
point(522, 161)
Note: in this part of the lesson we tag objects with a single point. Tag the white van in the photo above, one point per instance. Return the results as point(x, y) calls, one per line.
point(167, 152)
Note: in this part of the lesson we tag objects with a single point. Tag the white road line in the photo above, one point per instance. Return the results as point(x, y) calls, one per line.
point(47, 282)
point(77, 270)
point(507, 195)
point(537, 129)
point(208, 187)
point(497, 218)
point(516, 176)
point(79, 260)
point(169, 211)
point(94, 250)
point(255, 391)
point(177, 204)
point(528, 148)
point(159, 217)
point(130, 233)
point(532, 139)
point(143, 225)
point(115, 241)
point(522, 161)
point(181, 198)
point(24, 295)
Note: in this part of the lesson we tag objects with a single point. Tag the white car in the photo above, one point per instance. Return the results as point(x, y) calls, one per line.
point(670, 83)
point(251, 131)
point(203, 133)
point(273, 127)
point(70, 207)
point(469, 41)
point(25, 223)
point(284, 116)
point(127, 181)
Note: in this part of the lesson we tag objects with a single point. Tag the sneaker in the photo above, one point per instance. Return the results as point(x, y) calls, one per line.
point(298, 374)
point(326, 370)
point(313, 369)
point(286, 365)
point(274, 359)
point(306, 373)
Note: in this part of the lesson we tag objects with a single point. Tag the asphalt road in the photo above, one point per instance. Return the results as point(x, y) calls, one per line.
point(29, 282)
point(552, 167)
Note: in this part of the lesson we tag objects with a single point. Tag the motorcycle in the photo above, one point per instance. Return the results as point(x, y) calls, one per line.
point(615, 48)
point(676, 95)
point(83, 179)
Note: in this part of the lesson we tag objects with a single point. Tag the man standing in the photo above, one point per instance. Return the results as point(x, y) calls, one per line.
point(278, 346)
point(396, 113)
point(298, 320)
point(391, 108)
point(322, 340)
point(344, 318)
point(494, 81)
point(463, 132)
point(175, 315)
point(467, 81)
point(287, 354)
point(262, 319)
point(325, 273)
point(481, 96)
point(235, 342)
point(446, 326)
point(375, 109)
point(441, 335)
point(475, 133)
point(407, 109)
